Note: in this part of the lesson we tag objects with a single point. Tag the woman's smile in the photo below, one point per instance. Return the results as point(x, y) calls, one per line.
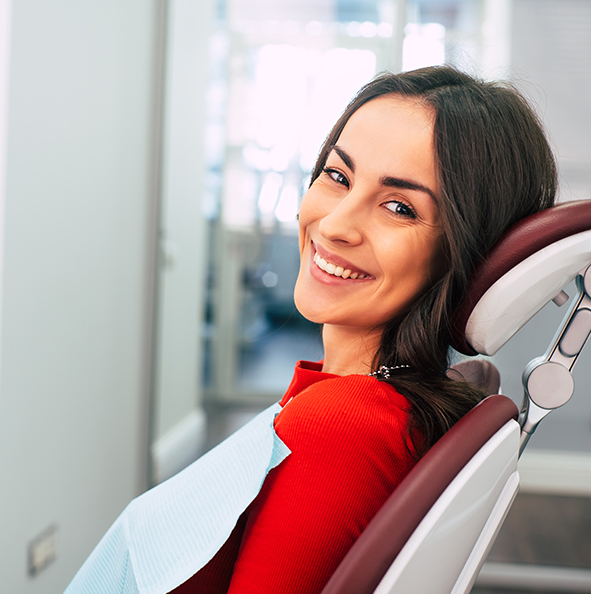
point(369, 224)
point(332, 265)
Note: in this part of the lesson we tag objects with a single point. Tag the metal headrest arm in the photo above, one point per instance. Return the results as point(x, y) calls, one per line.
point(547, 380)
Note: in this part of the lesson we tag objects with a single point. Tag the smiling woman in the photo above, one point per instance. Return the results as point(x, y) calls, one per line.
point(419, 177)
point(370, 238)
point(484, 163)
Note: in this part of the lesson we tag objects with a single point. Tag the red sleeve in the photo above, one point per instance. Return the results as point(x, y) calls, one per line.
point(348, 454)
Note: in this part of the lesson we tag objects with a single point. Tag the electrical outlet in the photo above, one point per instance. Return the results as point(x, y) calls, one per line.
point(42, 550)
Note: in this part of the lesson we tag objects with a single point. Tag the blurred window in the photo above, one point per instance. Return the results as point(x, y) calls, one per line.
point(282, 73)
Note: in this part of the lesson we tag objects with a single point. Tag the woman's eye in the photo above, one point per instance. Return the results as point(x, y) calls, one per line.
point(336, 176)
point(402, 209)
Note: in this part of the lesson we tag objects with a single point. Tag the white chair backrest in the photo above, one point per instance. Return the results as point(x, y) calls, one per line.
point(446, 551)
point(417, 522)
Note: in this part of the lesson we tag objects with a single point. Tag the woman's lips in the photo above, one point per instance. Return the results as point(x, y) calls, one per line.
point(336, 267)
point(330, 268)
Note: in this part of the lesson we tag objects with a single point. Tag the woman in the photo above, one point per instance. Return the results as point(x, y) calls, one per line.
point(417, 180)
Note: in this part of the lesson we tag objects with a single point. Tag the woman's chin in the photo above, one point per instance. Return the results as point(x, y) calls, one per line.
point(308, 312)
point(323, 309)
point(310, 308)
point(320, 315)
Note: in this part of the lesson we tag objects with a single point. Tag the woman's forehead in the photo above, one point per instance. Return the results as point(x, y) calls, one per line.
point(407, 113)
point(392, 135)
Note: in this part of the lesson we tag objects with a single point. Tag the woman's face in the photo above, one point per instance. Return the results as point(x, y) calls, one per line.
point(370, 237)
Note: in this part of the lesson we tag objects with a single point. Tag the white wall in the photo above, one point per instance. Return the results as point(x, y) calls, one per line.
point(78, 265)
point(5, 21)
point(179, 421)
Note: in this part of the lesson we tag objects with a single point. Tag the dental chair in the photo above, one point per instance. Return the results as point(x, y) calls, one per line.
point(435, 531)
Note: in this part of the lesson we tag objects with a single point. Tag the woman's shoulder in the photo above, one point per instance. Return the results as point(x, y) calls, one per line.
point(356, 417)
point(347, 402)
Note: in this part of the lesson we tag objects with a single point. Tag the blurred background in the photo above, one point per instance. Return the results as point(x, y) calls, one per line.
point(152, 158)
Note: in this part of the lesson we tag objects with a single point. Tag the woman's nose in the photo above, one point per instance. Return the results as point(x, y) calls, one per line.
point(344, 222)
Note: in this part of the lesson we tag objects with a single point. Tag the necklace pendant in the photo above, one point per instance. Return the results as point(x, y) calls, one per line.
point(386, 372)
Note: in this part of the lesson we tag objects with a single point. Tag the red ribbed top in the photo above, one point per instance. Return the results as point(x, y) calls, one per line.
point(346, 435)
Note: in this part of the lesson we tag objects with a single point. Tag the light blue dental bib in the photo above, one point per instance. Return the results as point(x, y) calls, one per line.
point(166, 535)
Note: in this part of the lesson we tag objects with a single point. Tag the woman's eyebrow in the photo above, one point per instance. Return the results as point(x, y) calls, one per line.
point(406, 184)
point(343, 155)
point(387, 180)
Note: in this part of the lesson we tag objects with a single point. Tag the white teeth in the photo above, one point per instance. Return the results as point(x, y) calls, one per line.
point(336, 270)
point(320, 262)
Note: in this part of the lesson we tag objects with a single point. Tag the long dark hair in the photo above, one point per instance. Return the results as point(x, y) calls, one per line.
point(494, 167)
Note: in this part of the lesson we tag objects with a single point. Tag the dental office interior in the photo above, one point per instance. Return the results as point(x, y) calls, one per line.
point(152, 157)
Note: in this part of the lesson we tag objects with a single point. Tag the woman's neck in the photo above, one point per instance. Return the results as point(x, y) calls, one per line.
point(349, 350)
